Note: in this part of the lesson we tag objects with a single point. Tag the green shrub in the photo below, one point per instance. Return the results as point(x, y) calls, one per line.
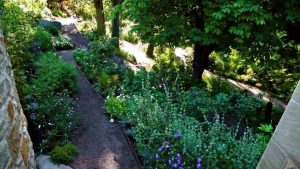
point(125, 56)
point(156, 124)
point(65, 153)
point(52, 85)
point(41, 42)
point(85, 10)
point(215, 143)
point(172, 70)
point(103, 48)
point(53, 75)
point(62, 43)
point(116, 106)
point(90, 34)
point(131, 37)
point(216, 85)
point(59, 13)
point(55, 118)
point(17, 27)
point(53, 27)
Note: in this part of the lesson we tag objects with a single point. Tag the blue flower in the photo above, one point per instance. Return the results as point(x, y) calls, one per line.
point(160, 149)
point(181, 167)
point(199, 163)
point(156, 156)
point(178, 158)
point(170, 162)
point(167, 145)
point(177, 134)
point(175, 165)
point(199, 160)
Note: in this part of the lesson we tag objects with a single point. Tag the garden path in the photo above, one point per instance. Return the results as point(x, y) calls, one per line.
point(102, 144)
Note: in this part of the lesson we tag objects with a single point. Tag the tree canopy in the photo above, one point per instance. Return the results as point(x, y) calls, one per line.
point(251, 25)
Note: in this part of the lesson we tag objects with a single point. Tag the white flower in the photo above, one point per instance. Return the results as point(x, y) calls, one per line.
point(112, 120)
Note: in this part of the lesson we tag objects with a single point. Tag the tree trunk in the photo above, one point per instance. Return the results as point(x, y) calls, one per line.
point(200, 61)
point(268, 112)
point(100, 18)
point(150, 51)
point(115, 32)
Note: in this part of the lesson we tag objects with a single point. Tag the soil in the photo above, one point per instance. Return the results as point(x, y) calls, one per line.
point(102, 144)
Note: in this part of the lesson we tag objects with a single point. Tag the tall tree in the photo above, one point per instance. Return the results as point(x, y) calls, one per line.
point(249, 25)
point(100, 18)
point(115, 32)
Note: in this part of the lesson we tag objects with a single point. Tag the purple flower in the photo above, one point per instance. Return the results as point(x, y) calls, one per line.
point(170, 162)
point(181, 167)
point(199, 160)
point(156, 156)
point(167, 145)
point(177, 134)
point(160, 149)
point(178, 158)
point(199, 163)
point(175, 165)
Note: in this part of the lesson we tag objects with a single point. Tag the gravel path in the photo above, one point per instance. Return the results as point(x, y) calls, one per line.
point(102, 144)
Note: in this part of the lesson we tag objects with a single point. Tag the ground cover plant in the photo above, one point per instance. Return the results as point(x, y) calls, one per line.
point(46, 85)
point(173, 125)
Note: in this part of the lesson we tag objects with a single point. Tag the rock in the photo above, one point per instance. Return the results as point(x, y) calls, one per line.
point(49, 23)
point(45, 162)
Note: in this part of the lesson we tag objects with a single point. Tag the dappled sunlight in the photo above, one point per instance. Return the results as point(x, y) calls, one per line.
point(108, 160)
point(139, 55)
point(67, 21)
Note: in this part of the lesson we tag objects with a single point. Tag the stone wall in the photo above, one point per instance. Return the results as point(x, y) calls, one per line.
point(283, 151)
point(15, 143)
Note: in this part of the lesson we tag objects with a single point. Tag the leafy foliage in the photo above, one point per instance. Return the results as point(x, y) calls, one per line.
point(125, 56)
point(49, 102)
point(130, 37)
point(45, 83)
point(62, 43)
point(213, 25)
point(100, 66)
point(54, 75)
point(65, 153)
point(275, 75)
point(41, 42)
